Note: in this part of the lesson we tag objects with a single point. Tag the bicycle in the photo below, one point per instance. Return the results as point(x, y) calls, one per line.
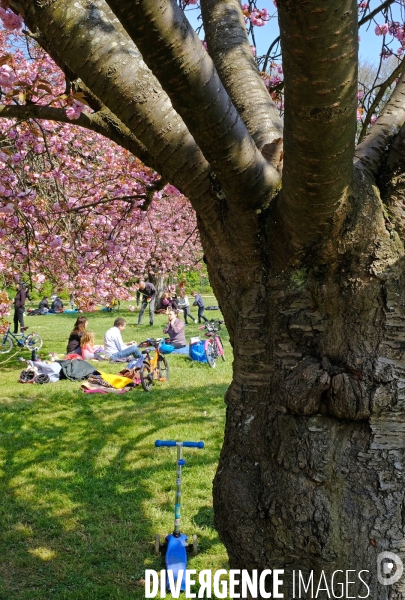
point(31, 341)
point(155, 366)
point(213, 345)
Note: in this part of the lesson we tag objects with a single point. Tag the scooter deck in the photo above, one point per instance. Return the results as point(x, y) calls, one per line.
point(176, 558)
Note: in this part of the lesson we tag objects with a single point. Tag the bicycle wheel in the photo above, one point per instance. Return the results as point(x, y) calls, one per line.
point(6, 344)
point(146, 377)
point(163, 367)
point(210, 354)
point(33, 341)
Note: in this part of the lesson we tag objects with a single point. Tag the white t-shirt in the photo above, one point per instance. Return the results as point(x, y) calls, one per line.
point(183, 302)
point(113, 341)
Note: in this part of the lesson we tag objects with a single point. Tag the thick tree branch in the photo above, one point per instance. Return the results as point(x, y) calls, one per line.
point(370, 152)
point(173, 51)
point(361, 22)
point(108, 62)
point(320, 43)
point(392, 183)
point(102, 122)
point(229, 47)
point(378, 97)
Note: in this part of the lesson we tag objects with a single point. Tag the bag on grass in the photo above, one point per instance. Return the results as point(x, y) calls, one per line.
point(197, 352)
point(134, 374)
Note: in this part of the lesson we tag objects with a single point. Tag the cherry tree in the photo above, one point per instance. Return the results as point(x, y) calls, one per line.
point(302, 233)
point(76, 210)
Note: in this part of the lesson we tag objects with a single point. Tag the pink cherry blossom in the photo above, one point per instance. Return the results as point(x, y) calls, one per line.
point(7, 76)
point(381, 29)
point(10, 20)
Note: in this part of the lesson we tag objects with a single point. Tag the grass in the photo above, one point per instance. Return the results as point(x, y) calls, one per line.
point(83, 489)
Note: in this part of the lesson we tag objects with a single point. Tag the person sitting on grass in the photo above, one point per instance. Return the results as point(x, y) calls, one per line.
point(167, 301)
point(73, 346)
point(175, 330)
point(89, 350)
point(44, 304)
point(114, 347)
point(56, 306)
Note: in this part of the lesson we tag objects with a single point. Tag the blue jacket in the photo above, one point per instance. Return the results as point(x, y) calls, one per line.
point(198, 301)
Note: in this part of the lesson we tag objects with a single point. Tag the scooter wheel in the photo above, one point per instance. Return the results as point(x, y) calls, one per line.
point(195, 545)
point(157, 544)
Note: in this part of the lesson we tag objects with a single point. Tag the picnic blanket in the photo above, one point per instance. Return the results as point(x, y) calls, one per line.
point(93, 388)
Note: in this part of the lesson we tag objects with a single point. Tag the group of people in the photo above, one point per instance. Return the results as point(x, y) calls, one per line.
point(56, 305)
point(182, 303)
point(81, 341)
point(169, 300)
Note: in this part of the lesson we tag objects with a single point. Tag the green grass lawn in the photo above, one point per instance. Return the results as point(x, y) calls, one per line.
point(83, 489)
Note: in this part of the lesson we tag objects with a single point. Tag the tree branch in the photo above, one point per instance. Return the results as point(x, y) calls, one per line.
point(229, 46)
point(320, 84)
point(370, 152)
point(375, 12)
point(171, 48)
point(379, 96)
point(132, 92)
point(102, 123)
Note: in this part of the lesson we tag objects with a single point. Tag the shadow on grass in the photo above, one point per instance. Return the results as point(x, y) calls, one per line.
point(84, 490)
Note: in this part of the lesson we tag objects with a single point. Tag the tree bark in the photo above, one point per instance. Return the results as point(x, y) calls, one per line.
point(311, 471)
point(320, 45)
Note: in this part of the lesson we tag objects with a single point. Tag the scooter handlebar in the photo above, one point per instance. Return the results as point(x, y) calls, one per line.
point(159, 443)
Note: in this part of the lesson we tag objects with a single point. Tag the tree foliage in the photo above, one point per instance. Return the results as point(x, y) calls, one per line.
point(77, 210)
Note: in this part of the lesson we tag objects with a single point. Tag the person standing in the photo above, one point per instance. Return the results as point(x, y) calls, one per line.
point(184, 305)
point(148, 292)
point(19, 306)
point(114, 346)
point(198, 301)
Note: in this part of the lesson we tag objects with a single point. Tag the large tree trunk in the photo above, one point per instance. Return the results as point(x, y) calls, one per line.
point(311, 472)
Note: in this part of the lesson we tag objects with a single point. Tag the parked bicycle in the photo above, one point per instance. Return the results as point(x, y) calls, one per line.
point(213, 345)
point(30, 341)
point(155, 365)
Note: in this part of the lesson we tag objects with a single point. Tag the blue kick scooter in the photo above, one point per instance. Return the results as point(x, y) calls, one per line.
point(175, 546)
